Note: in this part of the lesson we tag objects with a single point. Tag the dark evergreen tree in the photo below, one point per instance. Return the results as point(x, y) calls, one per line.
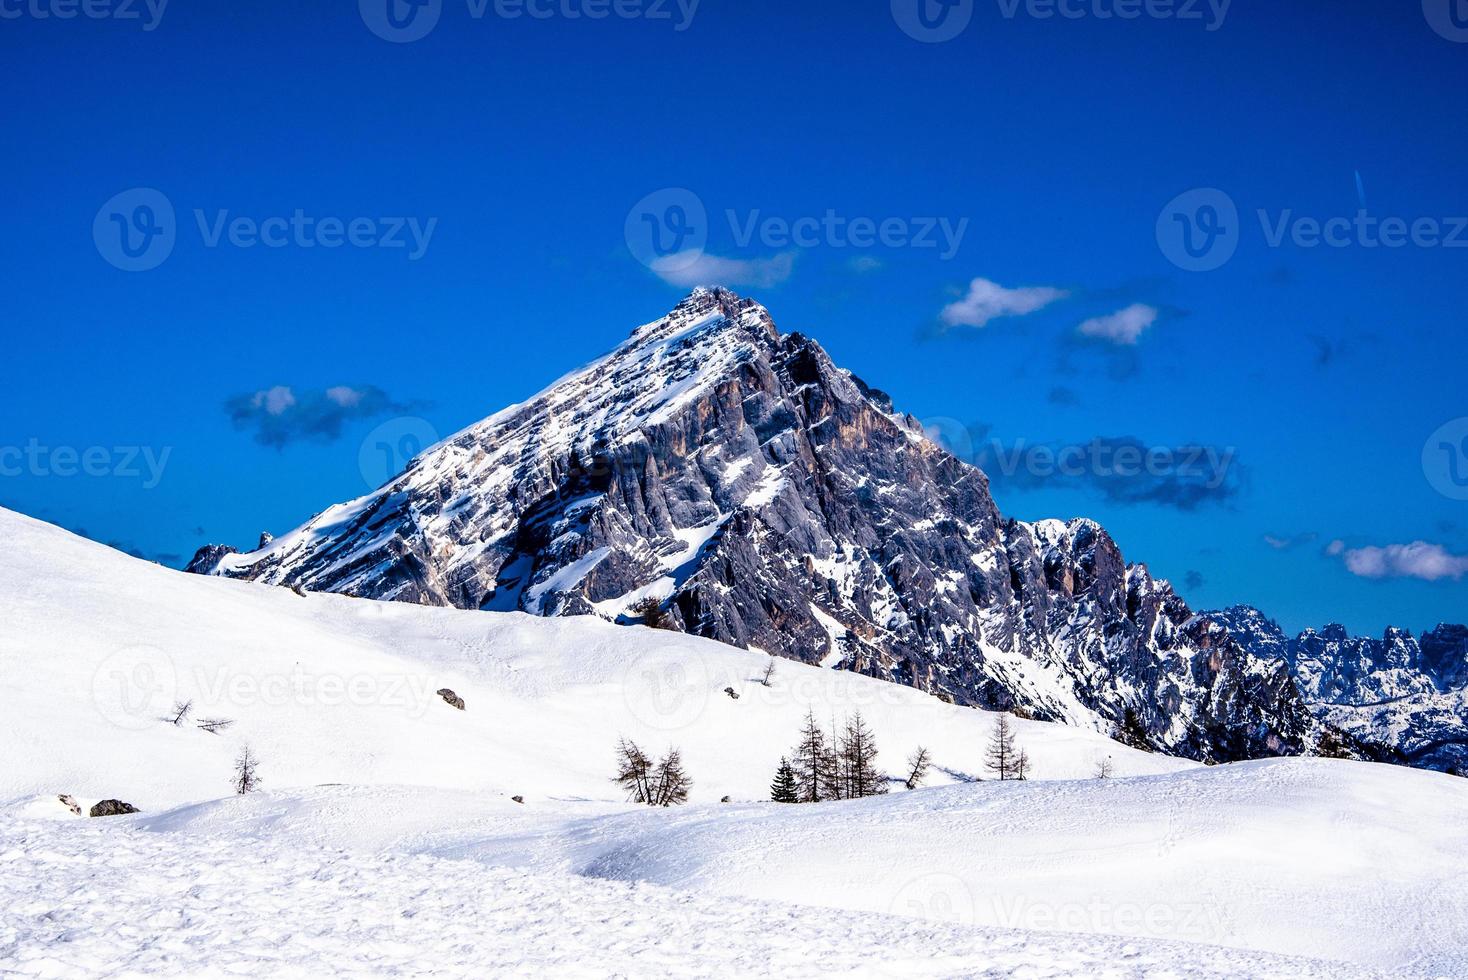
point(784, 789)
point(1130, 731)
point(1332, 745)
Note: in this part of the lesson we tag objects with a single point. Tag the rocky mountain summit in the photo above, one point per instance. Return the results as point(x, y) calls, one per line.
point(1397, 699)
point(719, 477)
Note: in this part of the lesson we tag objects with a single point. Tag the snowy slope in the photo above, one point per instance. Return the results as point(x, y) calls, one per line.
point(327, 689)
point(1305, 856)
point(384, 836)
point(105, 901)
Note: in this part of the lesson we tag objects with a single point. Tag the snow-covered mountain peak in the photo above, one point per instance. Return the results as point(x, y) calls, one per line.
point(706, 311)
point(718, 477)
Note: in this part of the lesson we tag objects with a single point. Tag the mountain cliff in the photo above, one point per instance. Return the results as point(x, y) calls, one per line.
point(724, 479)
point(1397, 699)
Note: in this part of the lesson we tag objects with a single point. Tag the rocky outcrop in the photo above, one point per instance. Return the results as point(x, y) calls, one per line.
point(206, 560)
point(112, 808)
point(755, 493)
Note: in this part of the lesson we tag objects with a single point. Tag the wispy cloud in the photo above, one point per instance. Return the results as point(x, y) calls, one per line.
point(1284, 542)
point(987, 300)
point(1124, 327)
point(281, 415)
point(864, 264)
point(686, 269)
point(1420, 560)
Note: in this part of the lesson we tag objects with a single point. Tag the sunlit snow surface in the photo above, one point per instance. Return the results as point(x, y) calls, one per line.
point(386, 841)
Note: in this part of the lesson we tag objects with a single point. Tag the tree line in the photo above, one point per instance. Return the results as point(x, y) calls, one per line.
point(840, 765)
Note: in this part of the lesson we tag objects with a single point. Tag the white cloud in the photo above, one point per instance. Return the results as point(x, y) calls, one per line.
point(988, 300)
point(275, 401)
point(1123, 326)
point(1336, 548)
point(864, 264)
point(344, 396)
point(1420, 559)
point(696, 268)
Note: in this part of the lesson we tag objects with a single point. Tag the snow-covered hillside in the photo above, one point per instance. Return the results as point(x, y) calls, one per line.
point(1296, 856)
point(97, 646)
point(95, 900)
point(387, 841)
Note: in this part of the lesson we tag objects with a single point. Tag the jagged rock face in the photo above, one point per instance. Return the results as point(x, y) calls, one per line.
point(1403, 699)
point(206, 560)
point(1445, 656)
point(769, 499)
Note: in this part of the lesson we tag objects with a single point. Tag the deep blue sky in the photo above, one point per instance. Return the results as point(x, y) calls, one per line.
point(1326, 369)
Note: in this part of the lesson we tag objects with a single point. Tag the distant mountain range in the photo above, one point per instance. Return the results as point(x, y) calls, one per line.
point(715, 476)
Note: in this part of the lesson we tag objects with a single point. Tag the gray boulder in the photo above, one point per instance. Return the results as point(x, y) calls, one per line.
point(113, 808)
